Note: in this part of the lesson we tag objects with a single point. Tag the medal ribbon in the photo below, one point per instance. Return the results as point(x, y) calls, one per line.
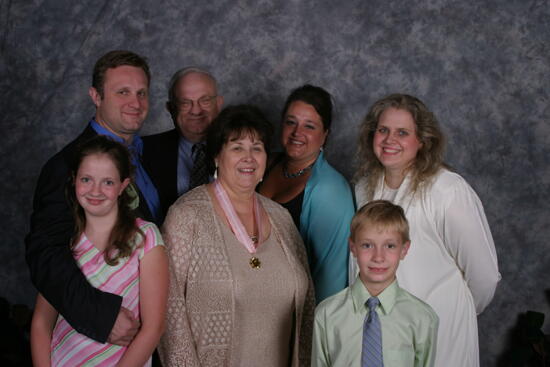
point(234, 221)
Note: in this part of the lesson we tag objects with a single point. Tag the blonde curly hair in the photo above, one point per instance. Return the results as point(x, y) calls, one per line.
point(429, 158)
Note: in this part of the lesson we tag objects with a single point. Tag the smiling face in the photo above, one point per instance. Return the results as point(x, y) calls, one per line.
point(125, 101)
point(98, 185)
point(241, 163)
point(197, 105)
point(378, 252)
point(303, 133)
point(395, 142)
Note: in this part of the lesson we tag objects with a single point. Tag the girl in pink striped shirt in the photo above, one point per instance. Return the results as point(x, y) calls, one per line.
point(118, 254)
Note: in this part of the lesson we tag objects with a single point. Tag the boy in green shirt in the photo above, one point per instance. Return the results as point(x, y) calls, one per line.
point(373, 322)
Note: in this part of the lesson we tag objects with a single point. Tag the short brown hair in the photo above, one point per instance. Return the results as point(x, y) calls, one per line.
point(113, 59)
point(237, 121)
point(382, 214)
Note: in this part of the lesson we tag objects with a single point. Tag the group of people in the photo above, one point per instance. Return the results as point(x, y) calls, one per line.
point(250, 242)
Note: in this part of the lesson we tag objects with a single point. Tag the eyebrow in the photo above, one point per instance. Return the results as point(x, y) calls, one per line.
point(307, 120)
point(400, 128)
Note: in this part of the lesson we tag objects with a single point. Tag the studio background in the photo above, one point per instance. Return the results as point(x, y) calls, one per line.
point(483, 67)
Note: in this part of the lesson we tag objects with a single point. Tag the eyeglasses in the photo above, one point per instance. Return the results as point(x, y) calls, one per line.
point(204, 103)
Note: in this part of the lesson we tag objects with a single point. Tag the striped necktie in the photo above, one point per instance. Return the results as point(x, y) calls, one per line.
point(199, 174)
point(371, 355)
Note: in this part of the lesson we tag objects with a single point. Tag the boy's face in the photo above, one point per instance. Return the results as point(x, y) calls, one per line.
point(378, 252)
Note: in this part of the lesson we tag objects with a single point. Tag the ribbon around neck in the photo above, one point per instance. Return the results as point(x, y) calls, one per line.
point(234, 221)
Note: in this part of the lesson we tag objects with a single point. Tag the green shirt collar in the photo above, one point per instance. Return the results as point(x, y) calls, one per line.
point(360, 295)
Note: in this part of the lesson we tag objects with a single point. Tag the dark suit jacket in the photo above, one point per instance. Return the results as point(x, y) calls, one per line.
point(53, 269)
point(160, 159)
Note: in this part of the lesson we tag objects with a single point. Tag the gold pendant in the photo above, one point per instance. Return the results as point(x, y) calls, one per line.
point(255, 263)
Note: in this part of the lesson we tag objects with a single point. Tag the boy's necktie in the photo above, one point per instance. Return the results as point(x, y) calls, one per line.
point(199, 174)
point(371, 355)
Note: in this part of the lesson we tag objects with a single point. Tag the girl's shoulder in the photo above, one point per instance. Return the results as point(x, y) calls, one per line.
point(144, 225)
point(149, 237)
point(147, 228)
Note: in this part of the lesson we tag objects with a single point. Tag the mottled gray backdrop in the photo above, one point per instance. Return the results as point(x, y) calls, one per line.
point(482, 66)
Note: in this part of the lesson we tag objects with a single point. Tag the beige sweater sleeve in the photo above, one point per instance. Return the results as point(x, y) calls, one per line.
point(177, 346)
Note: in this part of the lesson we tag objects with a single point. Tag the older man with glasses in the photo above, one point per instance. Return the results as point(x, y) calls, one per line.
point(176, 158)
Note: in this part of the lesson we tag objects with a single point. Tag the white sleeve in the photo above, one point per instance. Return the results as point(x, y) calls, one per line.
point(468, 239)
point(360, 189)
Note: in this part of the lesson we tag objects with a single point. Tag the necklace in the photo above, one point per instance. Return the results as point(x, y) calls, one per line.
point(249, 242)
point(287, 174)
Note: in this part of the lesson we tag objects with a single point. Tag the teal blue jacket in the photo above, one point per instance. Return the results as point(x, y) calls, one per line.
point(325, 220)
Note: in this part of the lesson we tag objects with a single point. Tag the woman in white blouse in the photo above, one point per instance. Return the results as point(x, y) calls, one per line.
point(452, 262)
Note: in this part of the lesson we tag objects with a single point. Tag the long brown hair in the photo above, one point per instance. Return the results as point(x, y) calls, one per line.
point(125, 229)
point(429, 158)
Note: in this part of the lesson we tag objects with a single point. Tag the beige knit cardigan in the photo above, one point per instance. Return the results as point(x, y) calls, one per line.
point(201, 302)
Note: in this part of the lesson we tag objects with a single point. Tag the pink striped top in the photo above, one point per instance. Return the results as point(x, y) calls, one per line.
point(70, 348)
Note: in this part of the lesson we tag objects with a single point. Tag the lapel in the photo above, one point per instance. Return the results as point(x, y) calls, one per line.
point(403, 197)
point(171, 159)
point(87, 134)
point(160, 159)
point(142, 210)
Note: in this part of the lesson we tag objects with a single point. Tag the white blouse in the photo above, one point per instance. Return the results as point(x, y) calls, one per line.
point(452, 262)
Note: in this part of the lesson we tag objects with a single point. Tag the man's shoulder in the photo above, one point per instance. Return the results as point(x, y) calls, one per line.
point(169, 135)
point(63, 158)
point(163, 145)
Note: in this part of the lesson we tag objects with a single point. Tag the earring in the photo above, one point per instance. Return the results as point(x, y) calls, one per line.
point(216, 173)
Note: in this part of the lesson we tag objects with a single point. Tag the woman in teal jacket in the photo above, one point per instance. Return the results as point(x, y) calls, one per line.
point(317, 196)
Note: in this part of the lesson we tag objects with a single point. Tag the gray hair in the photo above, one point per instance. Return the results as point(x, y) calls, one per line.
point(183, 72)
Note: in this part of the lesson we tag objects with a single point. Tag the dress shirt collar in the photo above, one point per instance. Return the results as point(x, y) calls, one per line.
point(185, 146)
point(135, 147)
point(360, 295)
point(141, 179)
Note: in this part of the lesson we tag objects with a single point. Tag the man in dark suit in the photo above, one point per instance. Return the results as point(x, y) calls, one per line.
point(120, 87)
point(175, 158)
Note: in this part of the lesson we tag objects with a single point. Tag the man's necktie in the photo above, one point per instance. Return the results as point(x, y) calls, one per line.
point(199, 174)
point(371, 355)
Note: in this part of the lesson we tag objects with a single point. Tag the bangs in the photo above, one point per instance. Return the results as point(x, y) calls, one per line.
point(244, 132)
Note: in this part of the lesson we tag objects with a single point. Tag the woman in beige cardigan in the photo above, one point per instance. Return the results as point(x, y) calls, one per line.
point(240, 289)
